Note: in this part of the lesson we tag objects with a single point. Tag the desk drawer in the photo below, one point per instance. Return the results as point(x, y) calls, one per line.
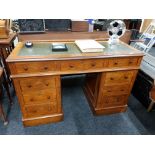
point(111, 101)
point(70, 65)
point(95, 64)
point(123, 62)
point(32, 67)
point(39, 97)
point(37, 83)
point(115, 90)
point(40, 110)
point(117, 78)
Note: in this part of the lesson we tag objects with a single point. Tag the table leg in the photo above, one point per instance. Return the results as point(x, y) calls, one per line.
point(150, 106)
point(3, 115)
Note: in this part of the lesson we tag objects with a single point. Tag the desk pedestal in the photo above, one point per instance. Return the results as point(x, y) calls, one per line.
point(40, 99)
point(108, 92)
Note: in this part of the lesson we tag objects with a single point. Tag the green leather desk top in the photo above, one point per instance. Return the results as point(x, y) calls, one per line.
point(42, 51)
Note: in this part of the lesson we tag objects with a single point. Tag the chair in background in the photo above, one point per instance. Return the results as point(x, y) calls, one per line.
point(152, 97)
point(147, 39)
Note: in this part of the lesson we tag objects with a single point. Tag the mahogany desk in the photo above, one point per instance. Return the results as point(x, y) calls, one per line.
point(36, 75)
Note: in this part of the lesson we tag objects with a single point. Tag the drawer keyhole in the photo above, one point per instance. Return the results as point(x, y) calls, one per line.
point(116, 63)
point(109, 91)
point(130, 62)
point(122, 89)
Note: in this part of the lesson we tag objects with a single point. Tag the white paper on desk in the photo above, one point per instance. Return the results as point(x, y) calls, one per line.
point(89, 46)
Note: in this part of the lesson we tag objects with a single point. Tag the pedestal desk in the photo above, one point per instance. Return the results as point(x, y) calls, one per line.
point(36, 73)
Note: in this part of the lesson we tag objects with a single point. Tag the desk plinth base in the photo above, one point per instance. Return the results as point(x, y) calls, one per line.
point(42, 120)
point(102, 111)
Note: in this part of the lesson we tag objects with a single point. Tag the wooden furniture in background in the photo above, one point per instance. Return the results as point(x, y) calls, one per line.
point(145, 24)
point(79, 26)
point(4, 29)
point(4, 83)
point(6, 47)
point(62, 36)
point(36, 77)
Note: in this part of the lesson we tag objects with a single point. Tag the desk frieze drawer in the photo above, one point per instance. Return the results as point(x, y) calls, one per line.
point(117, 78)
point(34, 67)
point(40, 110)
point(71, 65)
point(35, 84)
point(123, 62)
point(83, 65)
point(94, 64)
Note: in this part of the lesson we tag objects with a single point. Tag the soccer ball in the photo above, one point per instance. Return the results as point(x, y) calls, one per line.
point(115, 30)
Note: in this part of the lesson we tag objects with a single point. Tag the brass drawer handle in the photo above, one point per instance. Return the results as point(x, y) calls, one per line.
point(116, 63)
point(111, 78)
point(125, 77)
point(45, 67)
point(93, 64)
point(31, 99)
point(25, 68)
point(48, 97)
point(47, 84)
point(71, 66)
point(29, 86)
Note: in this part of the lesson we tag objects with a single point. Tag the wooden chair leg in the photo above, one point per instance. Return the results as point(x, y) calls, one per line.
point(7, 89)
point(3, 115)
point(150, 106)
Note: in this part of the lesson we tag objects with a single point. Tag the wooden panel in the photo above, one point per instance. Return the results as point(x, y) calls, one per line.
point(35, 84)
point(117, 78)
point(32, 67)
point(42, 120)
point(40, 110)
point(123, 62)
